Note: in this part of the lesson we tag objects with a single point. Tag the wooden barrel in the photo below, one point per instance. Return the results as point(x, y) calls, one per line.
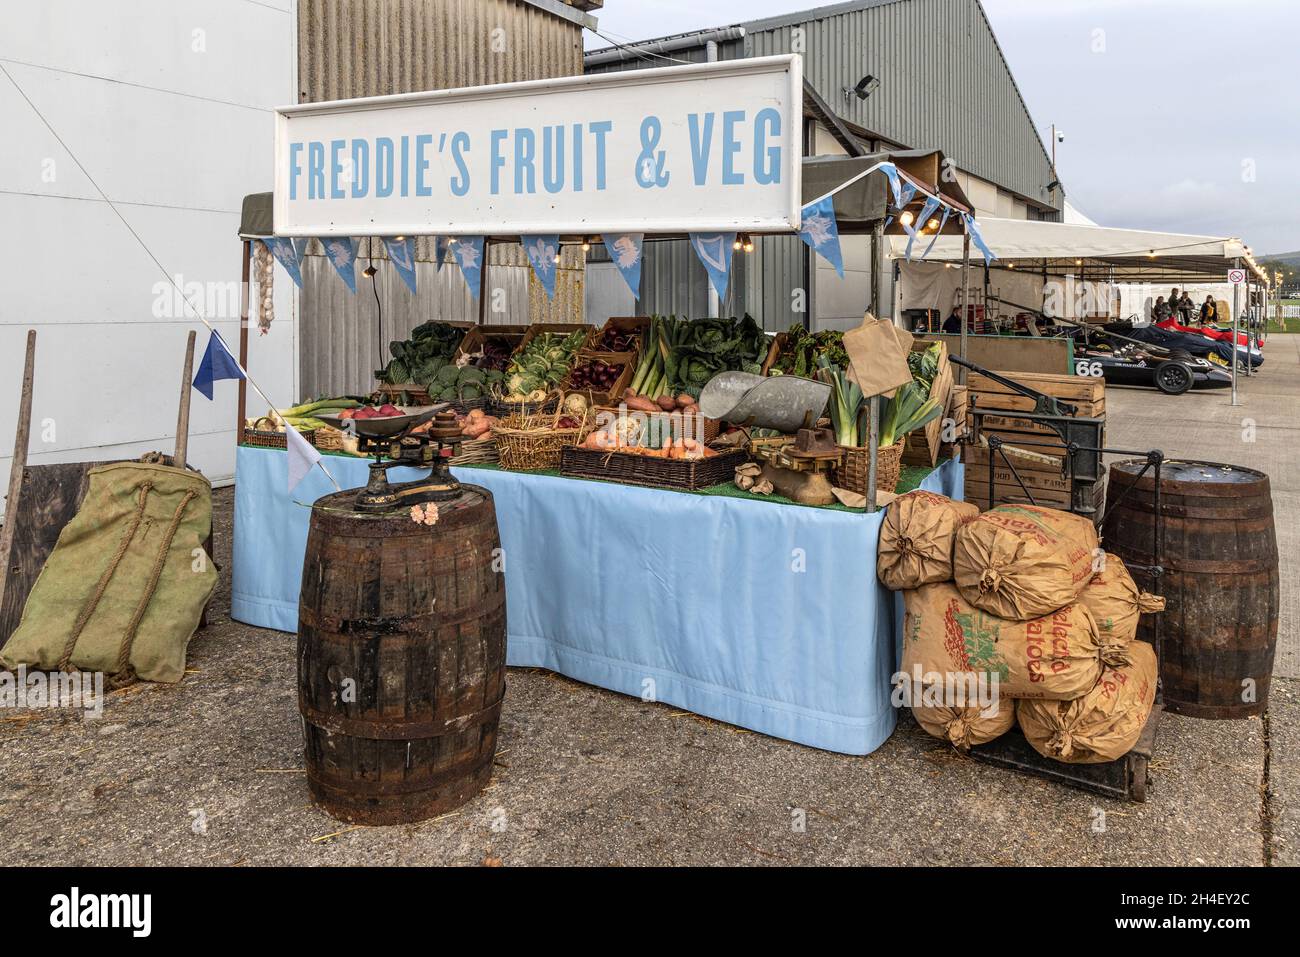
point(1218, 632)
point(401, 657)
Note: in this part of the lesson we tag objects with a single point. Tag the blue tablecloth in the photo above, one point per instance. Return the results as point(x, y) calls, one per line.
point(763, 615)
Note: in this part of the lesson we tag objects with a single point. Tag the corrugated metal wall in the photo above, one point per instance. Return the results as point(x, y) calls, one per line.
point(353, 48)
point(943, 84)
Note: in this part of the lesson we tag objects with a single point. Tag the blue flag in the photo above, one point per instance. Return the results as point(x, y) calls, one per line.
point(402, 253)
point(973, 230)
point(217, 363)
point(543, 251)
point(891, 173)
point(714, 250)
point(468, 253)
point(625, 250)
point(931, 204)
point(342, 253)
point(286, 255)
point(819, 230)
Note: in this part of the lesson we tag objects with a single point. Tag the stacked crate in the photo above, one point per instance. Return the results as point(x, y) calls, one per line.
point(1040, 466)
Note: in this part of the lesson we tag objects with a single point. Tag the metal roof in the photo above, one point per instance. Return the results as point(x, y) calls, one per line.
point(967, 105)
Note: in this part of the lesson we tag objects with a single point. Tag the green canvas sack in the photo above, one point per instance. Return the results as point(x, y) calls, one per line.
point(124, 588)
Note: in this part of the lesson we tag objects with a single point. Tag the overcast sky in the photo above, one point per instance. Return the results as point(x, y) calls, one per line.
point(1179, 115)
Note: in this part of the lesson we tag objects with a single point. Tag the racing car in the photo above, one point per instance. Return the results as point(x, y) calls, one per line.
point(1124, 362)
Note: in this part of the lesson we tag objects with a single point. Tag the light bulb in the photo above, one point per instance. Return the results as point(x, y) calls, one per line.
point(906, 218)
point(932, 224)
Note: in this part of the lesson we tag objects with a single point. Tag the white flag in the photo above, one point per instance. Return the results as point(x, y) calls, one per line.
point(302, 456)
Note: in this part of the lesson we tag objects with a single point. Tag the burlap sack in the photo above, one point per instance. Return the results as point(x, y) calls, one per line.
point(125, 586)
point(1102, 725)
point(916, 539)
point(1023, 561)
point(1056, 656)
point(1116, 602)
point(965, 727)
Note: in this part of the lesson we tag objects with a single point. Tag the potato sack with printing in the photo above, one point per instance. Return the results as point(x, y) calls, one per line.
point(1023, 561)
point(1102, 725)
point(964, 726)
point(1117, 603)
point(916, 539)
point(1054, 656)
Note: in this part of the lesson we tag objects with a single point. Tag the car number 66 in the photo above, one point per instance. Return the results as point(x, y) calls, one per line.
point(1086, 368)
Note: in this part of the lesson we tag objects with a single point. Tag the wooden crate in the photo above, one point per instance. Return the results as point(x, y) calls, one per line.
point(1087, 394)
point(636, 324)
point(922, 446)
point(627, 360)
point(475, 338)
point(564, 328)
point(1015, 495)
point(1071, 388)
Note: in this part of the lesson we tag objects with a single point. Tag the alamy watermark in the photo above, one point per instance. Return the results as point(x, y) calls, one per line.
point(949, 689)
point(83, 690)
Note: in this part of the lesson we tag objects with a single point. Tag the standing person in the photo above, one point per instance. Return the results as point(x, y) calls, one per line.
point(1186, 308)
point(1160, 311)
point(1207, 311)
point(1174, 298)
point(953, 323)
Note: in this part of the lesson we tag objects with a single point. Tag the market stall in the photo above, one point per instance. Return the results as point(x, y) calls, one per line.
point(697, 529)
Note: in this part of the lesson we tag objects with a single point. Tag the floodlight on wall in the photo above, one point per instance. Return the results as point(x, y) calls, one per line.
point(863, 88)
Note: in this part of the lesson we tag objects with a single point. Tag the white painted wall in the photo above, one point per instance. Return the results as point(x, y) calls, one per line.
point(168, 104)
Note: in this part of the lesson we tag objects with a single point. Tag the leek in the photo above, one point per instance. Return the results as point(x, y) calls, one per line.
point(908, 410)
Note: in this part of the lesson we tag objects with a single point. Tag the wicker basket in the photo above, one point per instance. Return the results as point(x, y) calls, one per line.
point(532, 443)
point(266, 439)
point(329, 440)
point(852, 474)
point(630, 469)
point(477, 452)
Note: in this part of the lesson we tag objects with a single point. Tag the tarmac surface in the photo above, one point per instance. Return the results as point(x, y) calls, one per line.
point(210, 771)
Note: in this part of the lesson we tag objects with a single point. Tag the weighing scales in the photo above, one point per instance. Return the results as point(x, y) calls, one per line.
point(393, 442)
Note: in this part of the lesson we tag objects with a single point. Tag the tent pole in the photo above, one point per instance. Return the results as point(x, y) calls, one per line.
point(483, 281)
point(873, 403)
point(965, 302)
point(244, 296)
point(1236, 318)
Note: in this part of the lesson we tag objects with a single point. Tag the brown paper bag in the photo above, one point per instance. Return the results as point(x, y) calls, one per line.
point(1024, 561)
point(878, 356)
point(1116, 602)
point(1057, 656)
point(916, 539)
point(965, 727)
point(1102, 725)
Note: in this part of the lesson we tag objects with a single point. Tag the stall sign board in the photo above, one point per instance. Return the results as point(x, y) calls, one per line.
point(1236, 276)
point(707, 147)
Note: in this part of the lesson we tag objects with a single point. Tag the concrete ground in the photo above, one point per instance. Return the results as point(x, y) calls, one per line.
point(210, 771)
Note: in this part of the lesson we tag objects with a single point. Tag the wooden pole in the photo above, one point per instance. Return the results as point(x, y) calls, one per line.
point(19, 463)
point(183, 416)
point(244, 297)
